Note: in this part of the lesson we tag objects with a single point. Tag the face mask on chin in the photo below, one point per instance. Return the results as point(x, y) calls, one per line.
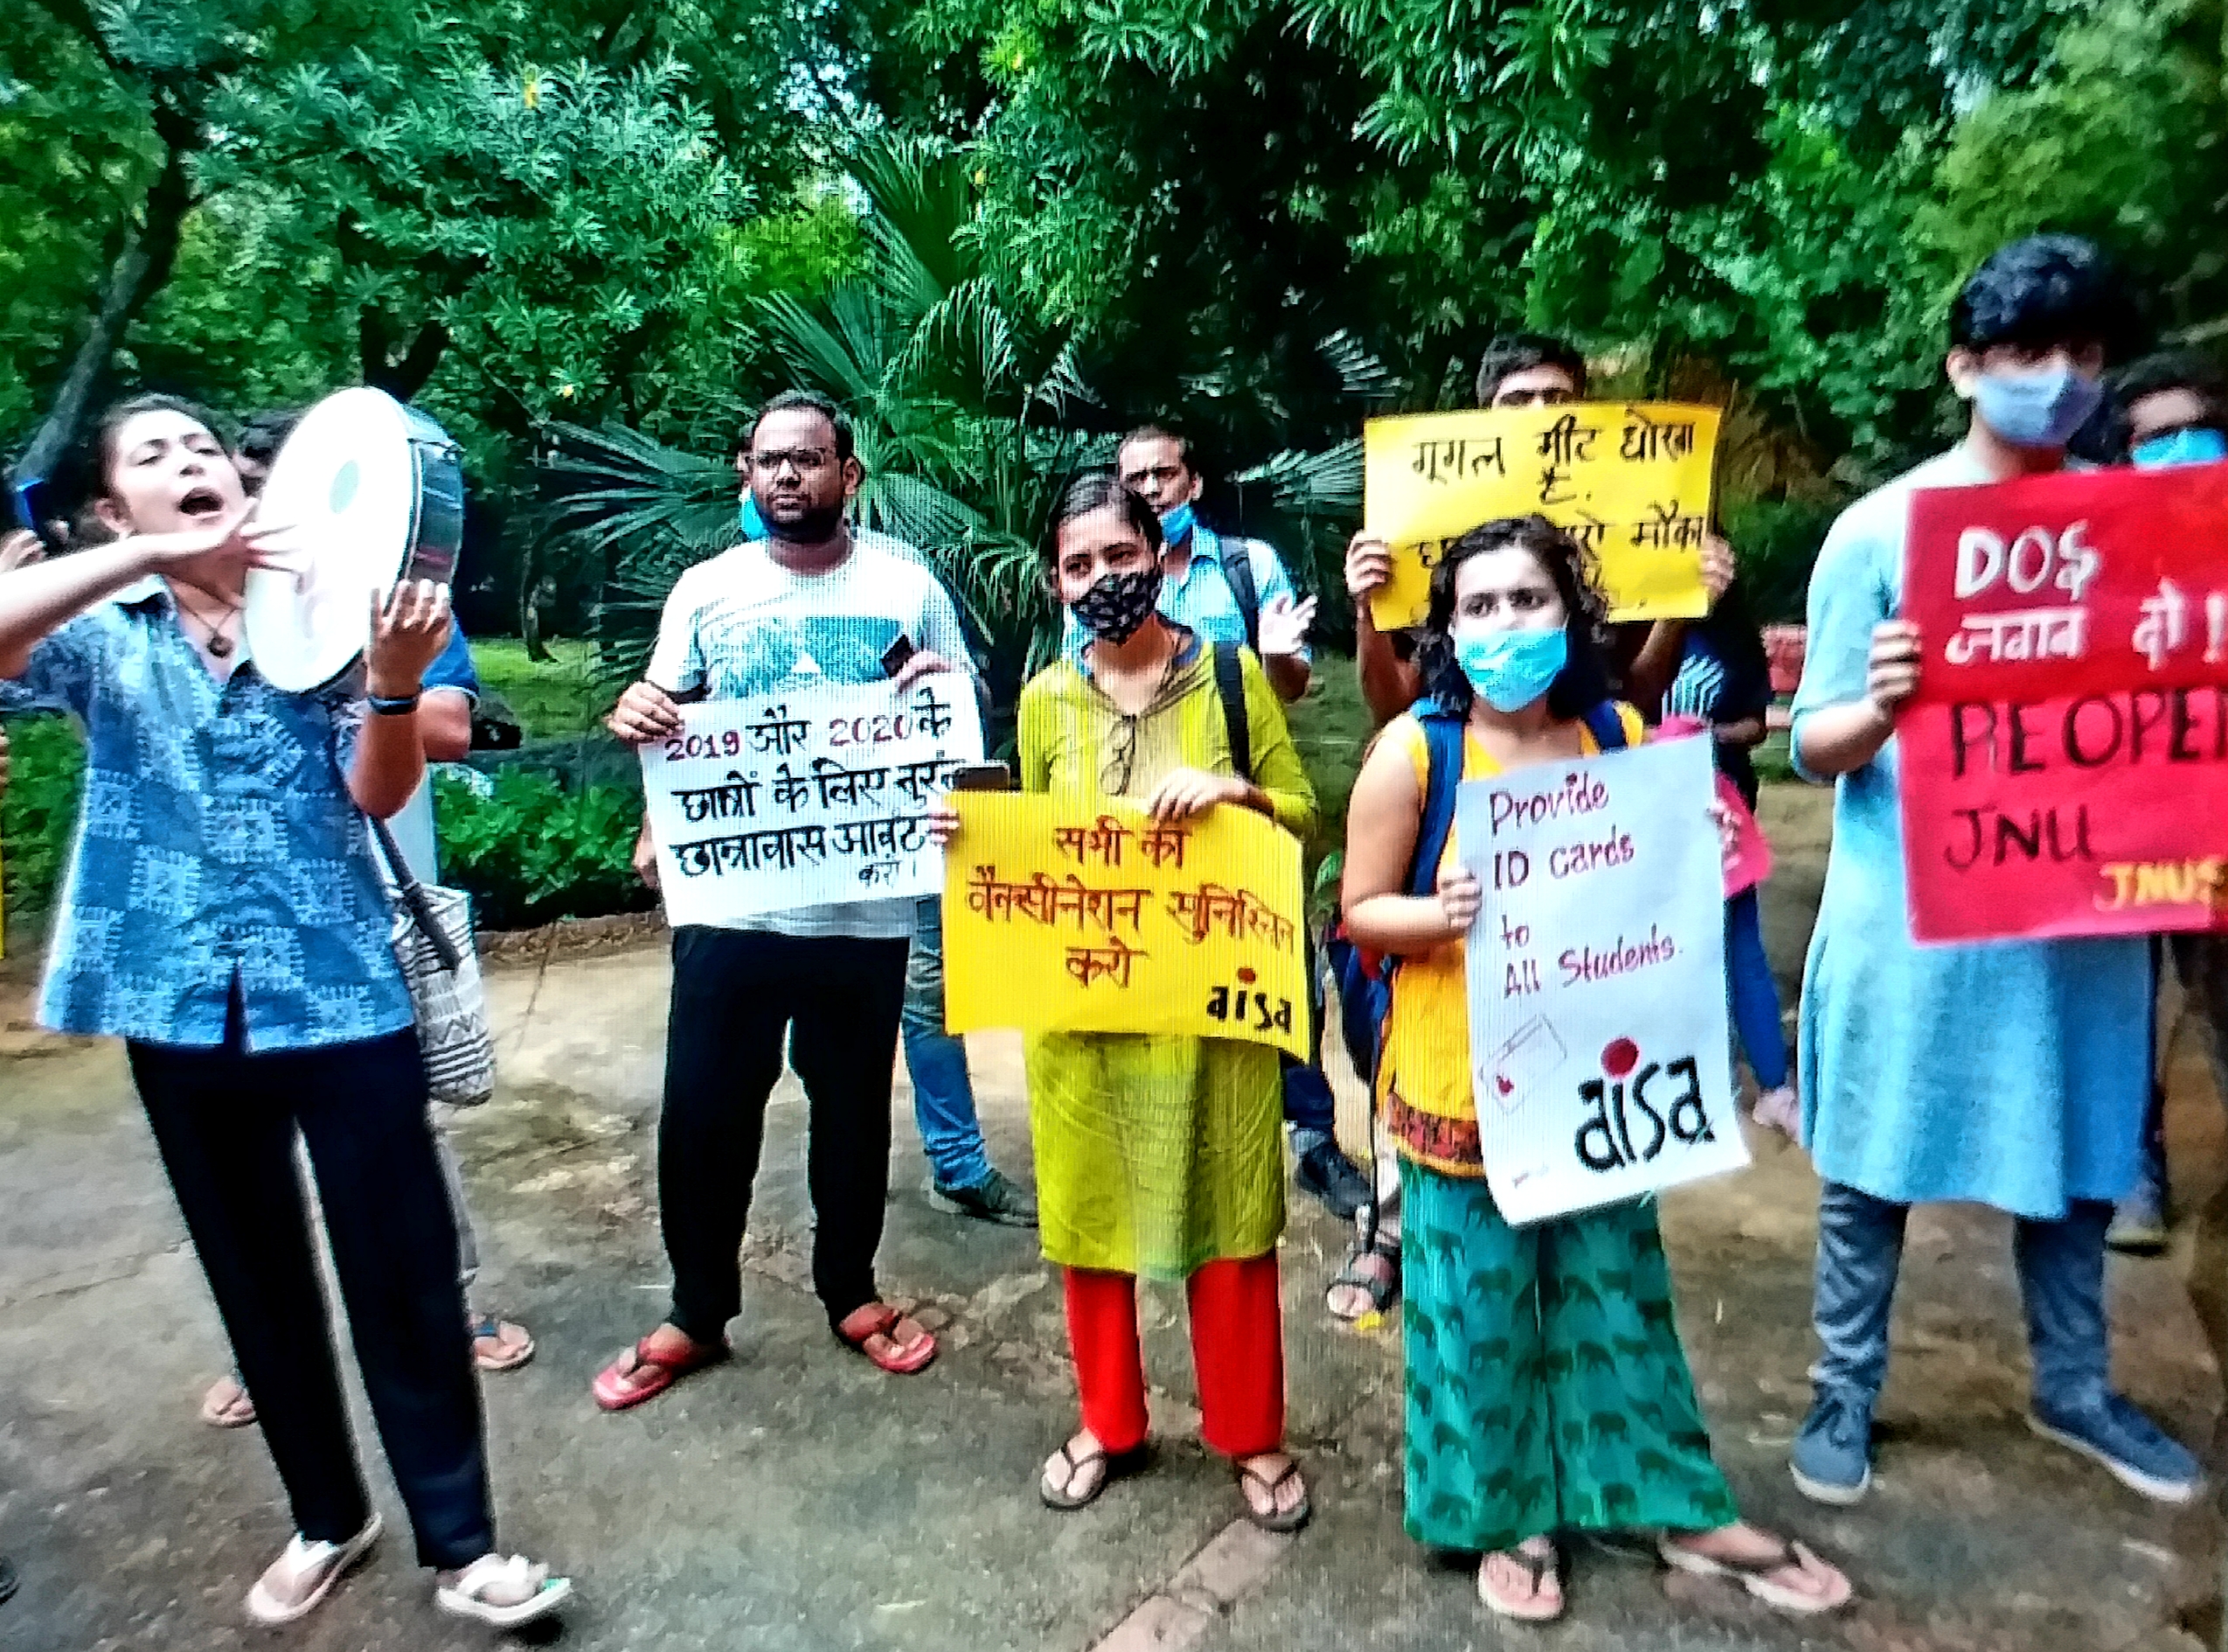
point(1175, 523)
point(2041, 408)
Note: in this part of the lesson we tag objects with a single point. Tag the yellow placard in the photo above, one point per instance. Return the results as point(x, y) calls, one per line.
point(1082, 915)
point(1629, 479)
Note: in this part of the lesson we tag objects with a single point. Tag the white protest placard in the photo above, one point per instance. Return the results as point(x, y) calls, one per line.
point(806, 797)
point(1599, 1043)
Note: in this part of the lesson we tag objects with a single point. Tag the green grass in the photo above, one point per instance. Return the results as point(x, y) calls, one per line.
point(550, 699)
point(1330, 725)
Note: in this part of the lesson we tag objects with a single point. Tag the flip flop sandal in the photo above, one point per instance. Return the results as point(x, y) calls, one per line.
point(622, 1384)
point(304, 1559)
point(466, 1597)
point(1755, 1576)
point(1381, 1292)
point(488, 1329)
point(1289, 1520)
point(1116, 1465)
point(1529, 1609)
point(862, 1325)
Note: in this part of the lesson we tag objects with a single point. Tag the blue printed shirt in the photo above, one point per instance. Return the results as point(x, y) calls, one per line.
point(218, 847)
point(1202, 601)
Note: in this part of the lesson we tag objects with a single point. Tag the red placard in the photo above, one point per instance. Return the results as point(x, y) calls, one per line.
point(2064, 763)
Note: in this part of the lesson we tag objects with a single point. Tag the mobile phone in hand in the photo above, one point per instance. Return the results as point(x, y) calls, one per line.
point(894, 656)
point(981, 777)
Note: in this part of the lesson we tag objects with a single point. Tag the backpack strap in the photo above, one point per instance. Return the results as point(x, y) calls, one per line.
point(1606, 724)
point(1236, 564)
point(1442, 777)
point(1230, 688)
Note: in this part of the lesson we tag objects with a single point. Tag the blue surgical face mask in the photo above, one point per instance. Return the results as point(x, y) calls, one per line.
point(1175, 523)
point(1512, 669)
point(753, 524)
point(2037, 409)
point(2191, 445)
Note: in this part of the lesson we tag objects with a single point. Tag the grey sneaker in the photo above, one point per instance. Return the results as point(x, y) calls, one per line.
point(2135, 1450)
point(2139, 1225)
point(1832, 1459)
point(992, 1199)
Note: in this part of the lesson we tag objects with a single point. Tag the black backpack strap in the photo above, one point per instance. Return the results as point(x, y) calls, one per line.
point(1230, 688)
point(1606, 724)
point(1237, 563)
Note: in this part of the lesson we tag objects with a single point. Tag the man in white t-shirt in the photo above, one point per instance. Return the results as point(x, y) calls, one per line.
point(813, 602)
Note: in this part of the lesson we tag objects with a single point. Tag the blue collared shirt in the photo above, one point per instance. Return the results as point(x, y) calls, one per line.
point(218, 847)
point(1203, 599)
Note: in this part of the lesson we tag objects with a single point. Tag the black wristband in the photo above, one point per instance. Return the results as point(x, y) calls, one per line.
point(382, 707)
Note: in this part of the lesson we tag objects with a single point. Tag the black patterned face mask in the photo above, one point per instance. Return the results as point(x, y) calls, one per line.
point(1118, 604)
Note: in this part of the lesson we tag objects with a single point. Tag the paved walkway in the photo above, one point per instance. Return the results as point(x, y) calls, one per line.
point(796, 1500)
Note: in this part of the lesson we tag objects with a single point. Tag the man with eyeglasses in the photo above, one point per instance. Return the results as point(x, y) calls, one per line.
point(2173, 409)
point(816, 601)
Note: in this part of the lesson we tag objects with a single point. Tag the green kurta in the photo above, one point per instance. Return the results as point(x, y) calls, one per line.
point(1155, 1155)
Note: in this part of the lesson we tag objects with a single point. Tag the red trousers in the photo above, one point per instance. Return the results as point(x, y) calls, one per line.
point(1237, 1349)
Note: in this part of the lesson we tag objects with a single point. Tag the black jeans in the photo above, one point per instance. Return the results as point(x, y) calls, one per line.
point(225, 1121)
point(735, 993)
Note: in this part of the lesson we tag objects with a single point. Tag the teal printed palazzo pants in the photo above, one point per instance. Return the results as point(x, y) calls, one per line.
point(1546, 1388)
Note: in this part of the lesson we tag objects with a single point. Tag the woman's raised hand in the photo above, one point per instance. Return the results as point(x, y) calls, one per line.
point(409, 629)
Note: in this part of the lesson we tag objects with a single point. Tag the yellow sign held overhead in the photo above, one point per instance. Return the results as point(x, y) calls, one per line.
point(1630, 480)
point(1069, 915)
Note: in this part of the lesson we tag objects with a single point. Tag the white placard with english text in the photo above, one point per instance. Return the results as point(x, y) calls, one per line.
point(1599, 1043)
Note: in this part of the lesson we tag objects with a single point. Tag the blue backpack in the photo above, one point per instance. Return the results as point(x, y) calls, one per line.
point(1366, 984)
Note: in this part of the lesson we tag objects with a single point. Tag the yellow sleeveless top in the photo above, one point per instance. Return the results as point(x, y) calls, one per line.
point(1425, 1091)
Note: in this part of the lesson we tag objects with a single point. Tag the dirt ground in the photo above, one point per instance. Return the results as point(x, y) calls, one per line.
point(795, 1499)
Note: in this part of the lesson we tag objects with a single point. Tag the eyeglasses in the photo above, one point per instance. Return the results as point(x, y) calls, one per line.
point(803, 461)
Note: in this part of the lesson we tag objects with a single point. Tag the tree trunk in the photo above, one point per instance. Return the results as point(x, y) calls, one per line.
point(376, 362)
point(150, 247)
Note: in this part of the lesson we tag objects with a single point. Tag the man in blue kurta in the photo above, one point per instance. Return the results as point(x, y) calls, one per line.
point(2010, 1075)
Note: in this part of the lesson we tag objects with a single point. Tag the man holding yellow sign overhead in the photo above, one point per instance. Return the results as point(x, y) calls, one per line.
point(1157, 1153)
point(1631, 482)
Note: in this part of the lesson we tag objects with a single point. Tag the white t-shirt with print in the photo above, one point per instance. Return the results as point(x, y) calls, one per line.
point(742, 625)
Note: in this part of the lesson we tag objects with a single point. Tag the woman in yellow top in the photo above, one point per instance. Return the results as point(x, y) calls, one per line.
point(1157, 1155)
point(1546, 1386)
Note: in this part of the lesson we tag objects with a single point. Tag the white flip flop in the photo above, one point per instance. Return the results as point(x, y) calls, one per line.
point(466, 1597)
point(1754, 1576)
point(302, 1559)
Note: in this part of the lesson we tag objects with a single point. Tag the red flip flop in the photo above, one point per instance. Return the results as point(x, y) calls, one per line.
point(862, 1325)
point(638, 1374)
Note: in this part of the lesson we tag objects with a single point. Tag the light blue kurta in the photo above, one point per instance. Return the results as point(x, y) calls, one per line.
point(2013, 1074)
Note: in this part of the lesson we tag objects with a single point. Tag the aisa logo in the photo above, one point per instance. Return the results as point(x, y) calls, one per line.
point(1637, 1110)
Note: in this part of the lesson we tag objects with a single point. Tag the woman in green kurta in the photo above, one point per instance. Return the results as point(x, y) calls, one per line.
point(1157, 1155)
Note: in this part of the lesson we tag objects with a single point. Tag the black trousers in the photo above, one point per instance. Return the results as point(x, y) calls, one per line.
point(225, 1121)
point(735, 994)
